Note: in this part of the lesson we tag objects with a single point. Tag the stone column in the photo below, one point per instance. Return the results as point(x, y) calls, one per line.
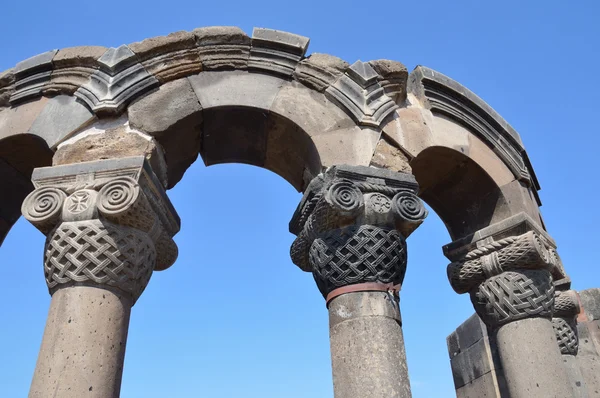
point(588, 328)
point(512, 290)
point(566, 309)
point(351, 227)
point(109, 225)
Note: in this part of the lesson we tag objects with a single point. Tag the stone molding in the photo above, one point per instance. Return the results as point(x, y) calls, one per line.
point(351, 226)
point(443, 95)
point(107, 83)
point(107, 222)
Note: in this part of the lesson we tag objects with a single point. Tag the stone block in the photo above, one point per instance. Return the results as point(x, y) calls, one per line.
point(61, 116)
point(159, 112)
point(173, 115)
point(78, 56)
point(73, 68)
point(319, 71)
point(31, 76)
point(18, 120)
point(309, 110)
point(275, 51)
point(471, 331)
point(222, 47)
point(393, 77)
point(485, 386)
point(235, 88)
point(169, 57)
point(590, 301)
point(16, 187)
point(351, 145)
point(390, 157)
point(290, 152)
point(453, 345)
point(410, 129)
point(111, 139)
point(162, 44)
point(234, 135)
point(472, 363)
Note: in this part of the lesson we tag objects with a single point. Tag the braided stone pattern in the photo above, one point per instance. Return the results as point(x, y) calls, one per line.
point(514, 295)
point(566, 304)
point(521, 252)
point(357, 254)
point(566, 335)
point(99, 253)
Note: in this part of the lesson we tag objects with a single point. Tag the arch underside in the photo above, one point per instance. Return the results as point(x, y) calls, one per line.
point(260, 100)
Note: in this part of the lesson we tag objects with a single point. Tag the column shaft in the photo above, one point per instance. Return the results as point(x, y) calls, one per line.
point(83, 347)
point(531, 359)
point(367, 346)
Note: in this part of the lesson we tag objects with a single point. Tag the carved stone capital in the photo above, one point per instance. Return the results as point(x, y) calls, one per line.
point(566, 309)
point(508, 272)
point(351, 226)
point(107, 223)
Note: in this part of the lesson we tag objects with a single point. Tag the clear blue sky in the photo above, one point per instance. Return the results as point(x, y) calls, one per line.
point(234, 317)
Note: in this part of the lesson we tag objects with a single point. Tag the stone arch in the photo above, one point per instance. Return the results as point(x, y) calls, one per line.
point(152, 107)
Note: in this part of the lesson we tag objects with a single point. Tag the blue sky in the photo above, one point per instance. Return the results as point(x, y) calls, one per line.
point(234, 317)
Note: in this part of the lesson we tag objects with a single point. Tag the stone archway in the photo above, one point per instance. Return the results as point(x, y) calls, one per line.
point(117, 127)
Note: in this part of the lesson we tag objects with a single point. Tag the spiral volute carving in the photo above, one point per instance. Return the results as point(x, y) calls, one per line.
point(43, 207)
point(408, 207)
point(345, 197)
point(118, 196)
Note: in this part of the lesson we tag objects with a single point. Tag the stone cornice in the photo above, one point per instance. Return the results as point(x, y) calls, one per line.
point(446, 96)
point(106, 82)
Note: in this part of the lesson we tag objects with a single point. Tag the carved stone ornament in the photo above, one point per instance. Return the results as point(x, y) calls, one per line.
point(351, 226)
point(107, 223)
point(566, 309)
point(508, 279)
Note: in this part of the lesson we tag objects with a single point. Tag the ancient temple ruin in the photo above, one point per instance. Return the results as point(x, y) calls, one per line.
point(91, 138)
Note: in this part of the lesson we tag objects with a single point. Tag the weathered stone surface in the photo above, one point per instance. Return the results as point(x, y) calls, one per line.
point(169, 57)
point(111, 140)
point(309, 110)
point(359, 93)
point(18, 120)
point(234, 136)
point(7, 79)
point(173, 115)
point(347, 146)
point(275, 51)
point(393, 77)
point(485, 386)
point(120, 79)
point(390, 157)
point(161, 44)
point(290, 152)
point(319, 71)
point(531, 360)
point(61, 116)
point(79, 56)
point(590, 300)
point(32, 75)
point(367, 347)
point(83, 347)
point(222, 47)
point(588, 356)
point(472, 363)
point(73, 68)
point(235, 88)
point(158, 112)
point(38, 62)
